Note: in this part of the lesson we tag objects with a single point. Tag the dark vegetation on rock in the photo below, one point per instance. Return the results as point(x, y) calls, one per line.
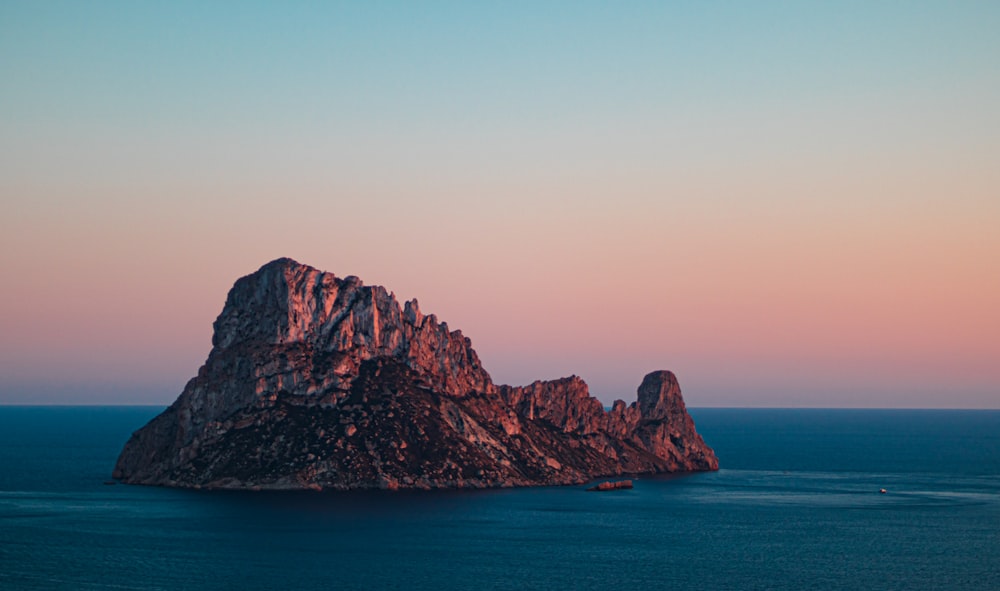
point(319, 382)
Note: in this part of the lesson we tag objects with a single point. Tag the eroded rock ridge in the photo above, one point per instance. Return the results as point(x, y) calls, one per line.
point(319, 382)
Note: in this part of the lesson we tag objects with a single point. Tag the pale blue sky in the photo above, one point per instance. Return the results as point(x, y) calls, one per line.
point(787, 203)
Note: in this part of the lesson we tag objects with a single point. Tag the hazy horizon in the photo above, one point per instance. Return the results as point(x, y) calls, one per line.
point(788, 205)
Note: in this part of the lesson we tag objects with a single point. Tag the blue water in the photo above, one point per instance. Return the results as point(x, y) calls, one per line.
point(796, 506)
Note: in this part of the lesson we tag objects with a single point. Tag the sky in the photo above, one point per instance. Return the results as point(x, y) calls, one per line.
point(791, 204)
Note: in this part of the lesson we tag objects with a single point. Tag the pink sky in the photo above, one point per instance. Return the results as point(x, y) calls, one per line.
point(810, 219)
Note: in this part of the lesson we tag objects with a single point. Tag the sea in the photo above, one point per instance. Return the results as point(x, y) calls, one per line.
point(796, 505)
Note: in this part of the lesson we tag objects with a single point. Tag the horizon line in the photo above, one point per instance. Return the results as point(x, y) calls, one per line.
point(165, 406)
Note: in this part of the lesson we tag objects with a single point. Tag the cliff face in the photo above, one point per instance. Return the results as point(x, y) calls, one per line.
point(319, 382)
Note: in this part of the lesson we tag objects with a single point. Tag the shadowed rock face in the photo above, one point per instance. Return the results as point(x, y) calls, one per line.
point(319, 382)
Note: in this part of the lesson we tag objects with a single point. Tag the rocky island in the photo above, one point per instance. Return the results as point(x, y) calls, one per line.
point(314, 381)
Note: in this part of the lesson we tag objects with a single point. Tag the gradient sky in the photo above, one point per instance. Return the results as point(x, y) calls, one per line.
point(786, 203)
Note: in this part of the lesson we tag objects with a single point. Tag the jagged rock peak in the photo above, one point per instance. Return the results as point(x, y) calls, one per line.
point(282, 262)
point(285, 302)
point(660, 395)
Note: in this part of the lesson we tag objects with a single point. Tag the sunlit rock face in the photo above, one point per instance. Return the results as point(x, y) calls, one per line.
point(315, 381)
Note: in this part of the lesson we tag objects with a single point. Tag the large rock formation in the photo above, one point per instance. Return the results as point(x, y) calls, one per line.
point(319, 382)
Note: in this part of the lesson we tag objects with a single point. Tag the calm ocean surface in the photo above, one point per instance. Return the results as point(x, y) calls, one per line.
point(796, 506)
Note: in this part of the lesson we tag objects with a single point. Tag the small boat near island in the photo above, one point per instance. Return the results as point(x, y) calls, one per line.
point(609, 485)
